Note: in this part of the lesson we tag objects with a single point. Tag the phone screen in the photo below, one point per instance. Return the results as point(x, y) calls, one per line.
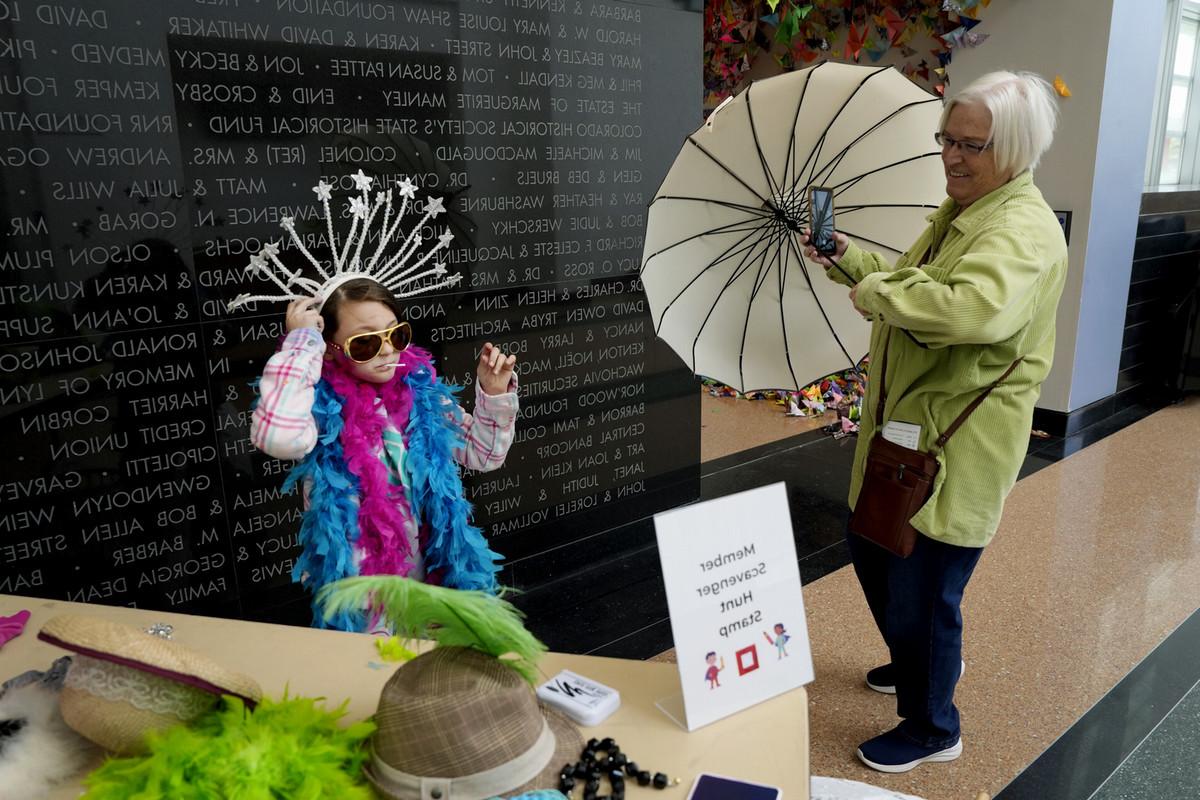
point(714, 787)
point(821, 209)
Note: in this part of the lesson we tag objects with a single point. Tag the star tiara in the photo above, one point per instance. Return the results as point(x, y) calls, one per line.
point(389, 265)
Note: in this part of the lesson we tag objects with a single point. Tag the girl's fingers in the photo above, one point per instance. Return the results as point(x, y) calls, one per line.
point(493, 362)
point(502, 363)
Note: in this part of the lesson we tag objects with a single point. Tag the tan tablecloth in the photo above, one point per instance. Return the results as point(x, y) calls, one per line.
point(767, 743)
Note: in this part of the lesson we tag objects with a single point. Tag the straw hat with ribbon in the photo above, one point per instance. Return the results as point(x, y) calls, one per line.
point(125, 682)
point(460, 722)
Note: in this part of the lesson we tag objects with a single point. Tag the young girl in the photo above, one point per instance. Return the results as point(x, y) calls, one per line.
point(379, 438)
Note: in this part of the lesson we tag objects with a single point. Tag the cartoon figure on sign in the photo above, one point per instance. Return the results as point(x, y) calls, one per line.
point(780, 641)
point(711, 675)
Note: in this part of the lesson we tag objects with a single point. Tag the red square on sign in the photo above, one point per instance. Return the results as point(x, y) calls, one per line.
point(747, 659)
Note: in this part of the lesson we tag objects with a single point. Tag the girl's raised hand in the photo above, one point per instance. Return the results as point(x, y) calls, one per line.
point(495, 370)
point(303, 313)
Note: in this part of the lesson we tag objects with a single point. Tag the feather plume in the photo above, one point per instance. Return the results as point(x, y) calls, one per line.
point(291, 748)
point(451, 617)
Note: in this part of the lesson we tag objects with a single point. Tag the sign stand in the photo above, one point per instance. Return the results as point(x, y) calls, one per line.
point(673, 707)
point(737, 612)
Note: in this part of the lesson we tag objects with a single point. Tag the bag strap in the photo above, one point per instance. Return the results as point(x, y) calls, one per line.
point(954, 426)
point(882, 383)
point(958, 421)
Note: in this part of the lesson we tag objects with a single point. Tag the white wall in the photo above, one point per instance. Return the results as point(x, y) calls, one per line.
point(1107, 52)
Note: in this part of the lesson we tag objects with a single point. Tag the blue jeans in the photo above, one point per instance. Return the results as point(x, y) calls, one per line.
point(915, 602)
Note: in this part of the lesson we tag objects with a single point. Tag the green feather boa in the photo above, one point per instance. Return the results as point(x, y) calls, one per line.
point(290, 748)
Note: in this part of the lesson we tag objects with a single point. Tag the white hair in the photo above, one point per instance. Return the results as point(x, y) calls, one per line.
point(1024, 114)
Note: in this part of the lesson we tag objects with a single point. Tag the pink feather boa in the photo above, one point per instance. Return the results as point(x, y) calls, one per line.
point(383, 509)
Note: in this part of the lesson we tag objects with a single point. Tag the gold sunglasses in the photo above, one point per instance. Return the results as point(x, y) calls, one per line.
point(362, 347)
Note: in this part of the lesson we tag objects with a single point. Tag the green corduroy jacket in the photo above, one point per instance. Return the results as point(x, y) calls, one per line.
point(987, 296)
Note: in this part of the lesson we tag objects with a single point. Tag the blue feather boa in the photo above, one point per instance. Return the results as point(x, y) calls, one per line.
point(456, 553)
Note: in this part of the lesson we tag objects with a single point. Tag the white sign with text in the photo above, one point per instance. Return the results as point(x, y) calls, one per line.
point(733, 590)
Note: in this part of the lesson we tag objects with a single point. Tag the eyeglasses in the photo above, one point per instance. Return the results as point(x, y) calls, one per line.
point(949, 143)
point(362, 347)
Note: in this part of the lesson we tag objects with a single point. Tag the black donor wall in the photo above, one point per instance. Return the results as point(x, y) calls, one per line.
point(149, 149)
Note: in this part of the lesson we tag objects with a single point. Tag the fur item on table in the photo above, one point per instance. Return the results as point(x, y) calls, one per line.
point(37, 749)
point(291, 748)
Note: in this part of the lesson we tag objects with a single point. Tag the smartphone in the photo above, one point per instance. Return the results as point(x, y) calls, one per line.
point(821, 215)
point(718, 787)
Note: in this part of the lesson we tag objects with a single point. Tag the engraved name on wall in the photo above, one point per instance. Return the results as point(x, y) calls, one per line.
point(148, 150)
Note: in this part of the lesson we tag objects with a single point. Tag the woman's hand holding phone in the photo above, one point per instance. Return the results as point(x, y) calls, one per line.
point(810, 250)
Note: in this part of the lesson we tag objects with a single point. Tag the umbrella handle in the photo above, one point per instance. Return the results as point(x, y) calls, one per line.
point(849, 277)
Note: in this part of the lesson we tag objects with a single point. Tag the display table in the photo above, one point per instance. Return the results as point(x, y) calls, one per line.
point(767, 743)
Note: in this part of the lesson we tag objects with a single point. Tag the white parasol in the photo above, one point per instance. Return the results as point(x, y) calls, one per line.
point(723, 266)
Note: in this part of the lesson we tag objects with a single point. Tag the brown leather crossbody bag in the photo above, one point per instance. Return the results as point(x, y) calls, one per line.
point(899, 480)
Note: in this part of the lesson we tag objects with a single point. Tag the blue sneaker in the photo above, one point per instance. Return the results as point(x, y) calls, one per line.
point(883, 679)
point(895, 752)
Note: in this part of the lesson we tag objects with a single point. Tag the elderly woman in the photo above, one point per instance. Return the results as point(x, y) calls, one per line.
point(975, 293)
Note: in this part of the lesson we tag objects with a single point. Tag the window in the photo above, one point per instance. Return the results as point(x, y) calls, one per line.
point(1174, 156)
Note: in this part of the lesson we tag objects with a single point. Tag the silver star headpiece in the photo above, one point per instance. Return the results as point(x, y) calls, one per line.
point(397, 262)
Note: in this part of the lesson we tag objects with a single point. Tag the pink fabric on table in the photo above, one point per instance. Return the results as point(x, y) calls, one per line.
point(11, 627)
